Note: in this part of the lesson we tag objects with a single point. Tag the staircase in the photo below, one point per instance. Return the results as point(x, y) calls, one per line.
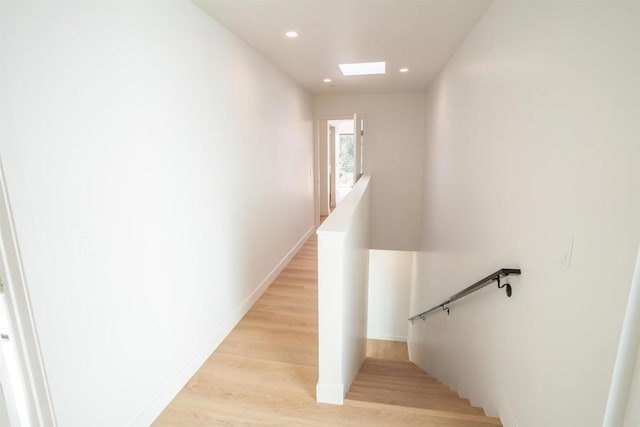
point(394, 385)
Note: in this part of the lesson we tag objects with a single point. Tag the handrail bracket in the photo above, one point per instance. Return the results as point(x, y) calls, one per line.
point(505, 285)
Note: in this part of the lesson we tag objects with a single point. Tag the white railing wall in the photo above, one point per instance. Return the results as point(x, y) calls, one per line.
point(343, 268)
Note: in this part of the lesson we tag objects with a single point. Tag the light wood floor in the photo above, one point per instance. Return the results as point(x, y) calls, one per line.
point(388, 350)
point(265, 372)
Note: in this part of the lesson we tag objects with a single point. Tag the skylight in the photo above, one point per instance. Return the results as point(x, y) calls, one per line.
point(362, 68)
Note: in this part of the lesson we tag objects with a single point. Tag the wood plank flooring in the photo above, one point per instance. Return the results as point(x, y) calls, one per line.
point(388, 350)
point(265, 372)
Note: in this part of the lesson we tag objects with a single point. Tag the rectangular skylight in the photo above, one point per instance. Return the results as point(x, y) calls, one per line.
point(362, 68)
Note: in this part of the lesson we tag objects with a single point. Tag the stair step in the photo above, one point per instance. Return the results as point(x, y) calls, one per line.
point(390, 350)
point(417, 388)
point(403, 368)
point(398, 377)
point(417, 401)
point(465, 420)
point(396, 363)
point(402, 384)
point(406, 369)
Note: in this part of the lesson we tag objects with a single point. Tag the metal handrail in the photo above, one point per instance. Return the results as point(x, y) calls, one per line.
point(503, 272)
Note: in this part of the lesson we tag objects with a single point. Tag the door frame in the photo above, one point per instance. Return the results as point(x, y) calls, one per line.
point(332, 167)
point(316, 154)
point(627, 356)
point(28, 397)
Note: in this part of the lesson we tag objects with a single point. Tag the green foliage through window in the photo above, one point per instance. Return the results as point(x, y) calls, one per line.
point(346, 159)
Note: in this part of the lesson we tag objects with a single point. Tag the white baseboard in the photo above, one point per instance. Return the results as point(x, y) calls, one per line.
point(330, 393)
point(386, 337)
point(166, 395)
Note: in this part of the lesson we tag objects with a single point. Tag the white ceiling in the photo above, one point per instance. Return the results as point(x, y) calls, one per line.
point(418, 34)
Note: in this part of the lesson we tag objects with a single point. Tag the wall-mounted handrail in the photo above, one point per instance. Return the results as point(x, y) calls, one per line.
point(493, 277)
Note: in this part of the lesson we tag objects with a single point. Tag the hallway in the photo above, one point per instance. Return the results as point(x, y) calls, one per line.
point(265, 371)
point(160, 163)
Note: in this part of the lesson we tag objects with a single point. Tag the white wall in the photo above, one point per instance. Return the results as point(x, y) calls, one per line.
point(389, 285)
point(345, 127)
point(532, 134)
point(343, 267)
point(135, 139)
point(393, 152)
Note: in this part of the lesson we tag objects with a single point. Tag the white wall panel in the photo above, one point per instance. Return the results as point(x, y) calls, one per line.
point(531, 139)
point(159, 172)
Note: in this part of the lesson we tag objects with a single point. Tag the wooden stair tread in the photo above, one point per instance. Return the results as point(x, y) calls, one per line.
point(415, 402)
point(400, 364)
point(409, 394)
point(407, 387)
point(402, 385)
point(398, 367)
point(390, 350)
point(398, 370)
point(407, 370)
point(467, 420)
point(399, 377)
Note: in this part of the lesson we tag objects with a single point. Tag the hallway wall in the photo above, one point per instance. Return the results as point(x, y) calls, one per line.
point(531, 142)
point(393, 152)
point(389, 287)
point(134, 144)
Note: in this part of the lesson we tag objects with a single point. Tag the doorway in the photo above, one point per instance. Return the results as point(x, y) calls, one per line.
point(342, 159)
point(339, 151)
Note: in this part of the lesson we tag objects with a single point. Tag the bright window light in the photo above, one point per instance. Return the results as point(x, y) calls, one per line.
point(362, 68)
point(291, 34)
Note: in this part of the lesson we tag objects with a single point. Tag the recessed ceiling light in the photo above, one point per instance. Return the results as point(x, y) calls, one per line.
point(362, 68)
point(404, 70)
point(327, 80)
point(291, 34)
